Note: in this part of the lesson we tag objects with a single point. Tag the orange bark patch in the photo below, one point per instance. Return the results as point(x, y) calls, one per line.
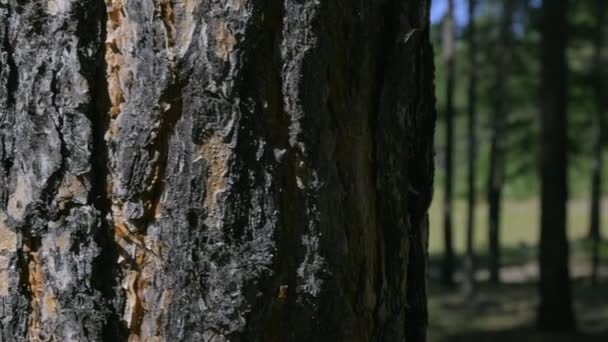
point(169, 22)
point(114, 59)
point(4, 279)
point(142, 251)
point(71, 188)
point(49, 306)
point(8, 238)
point(215, 152)
point(224, 41)
point(35, 283)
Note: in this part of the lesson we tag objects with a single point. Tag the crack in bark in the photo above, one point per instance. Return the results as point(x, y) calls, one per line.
point(170, 103)
point(139, 265)
point(13, 76)
point(49, 192)
point(6, 157)
point(105, 276)
point(167, 15)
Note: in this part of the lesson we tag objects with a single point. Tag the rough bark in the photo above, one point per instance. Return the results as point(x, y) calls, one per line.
point(447, 265)
point(555, 308)
point(469, 259)
point(598, 141)
point(214, 170)
point(497, 139)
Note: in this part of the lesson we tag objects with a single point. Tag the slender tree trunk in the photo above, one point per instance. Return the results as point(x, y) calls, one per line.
point(497, 143)
point(214, 170)
point(469, 260)
point(555, 310)
point(598, 143)
point(447, 270)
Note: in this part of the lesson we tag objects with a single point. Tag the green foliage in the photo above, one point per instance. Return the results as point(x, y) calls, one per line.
point(523, 124)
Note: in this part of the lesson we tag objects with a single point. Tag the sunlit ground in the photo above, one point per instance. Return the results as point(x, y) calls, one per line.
point(506, 312)
point(520, 221)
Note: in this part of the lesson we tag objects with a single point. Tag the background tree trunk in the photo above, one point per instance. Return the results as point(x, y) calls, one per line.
point(447, 267)
point(469, 259)
point(214, 170)
point(598, 141)
point(497, 140)
point(555, 309)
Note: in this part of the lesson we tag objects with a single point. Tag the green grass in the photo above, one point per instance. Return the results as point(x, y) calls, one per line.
point(519, 223)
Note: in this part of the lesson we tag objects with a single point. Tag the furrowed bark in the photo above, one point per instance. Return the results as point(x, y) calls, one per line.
point(48, 222)
point(215, 170)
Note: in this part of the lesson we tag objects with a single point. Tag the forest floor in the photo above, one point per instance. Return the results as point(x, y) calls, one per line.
point(506, 312)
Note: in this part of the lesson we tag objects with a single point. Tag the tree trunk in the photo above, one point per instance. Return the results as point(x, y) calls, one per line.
point(555, 310)
point(598, 143)
point(447, 268)
point(497, 140)
point(214, 170)
point(469, 260)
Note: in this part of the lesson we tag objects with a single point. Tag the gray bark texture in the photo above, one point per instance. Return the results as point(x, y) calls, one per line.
point(234, 170)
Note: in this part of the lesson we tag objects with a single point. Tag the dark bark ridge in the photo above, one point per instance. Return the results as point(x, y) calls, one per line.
point(214, 170)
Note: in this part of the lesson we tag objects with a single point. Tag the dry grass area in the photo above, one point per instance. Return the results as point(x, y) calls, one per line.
point(520, 220)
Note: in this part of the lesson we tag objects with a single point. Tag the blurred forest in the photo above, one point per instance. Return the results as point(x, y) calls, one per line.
point(503, 98)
